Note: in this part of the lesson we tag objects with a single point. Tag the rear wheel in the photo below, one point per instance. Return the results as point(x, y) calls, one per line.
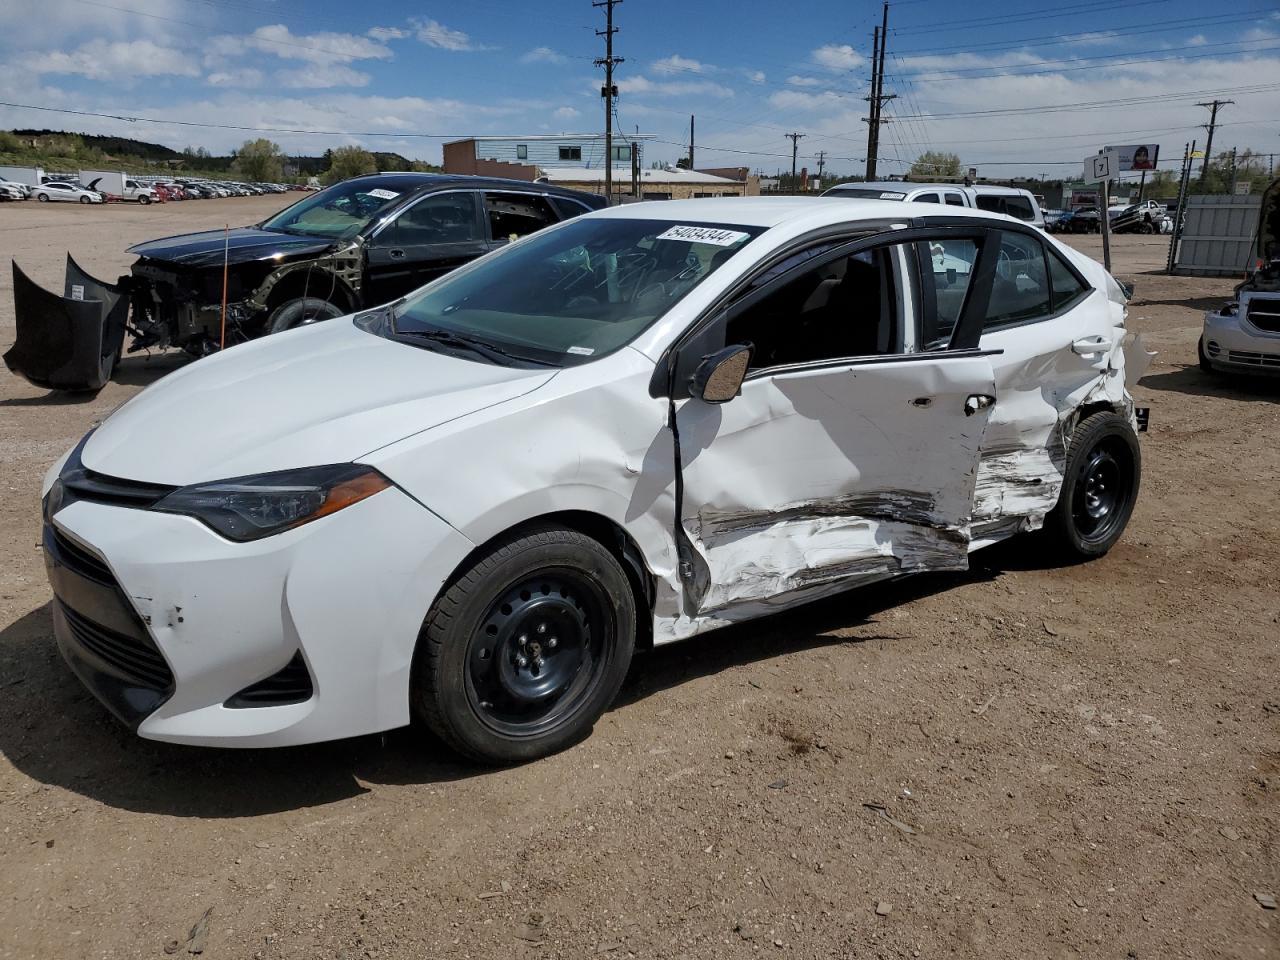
point(521, 655)
point(1099, 487)
point(301, 313)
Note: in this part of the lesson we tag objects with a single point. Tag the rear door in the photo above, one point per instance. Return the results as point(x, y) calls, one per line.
point(425, 240)
point(511, 215)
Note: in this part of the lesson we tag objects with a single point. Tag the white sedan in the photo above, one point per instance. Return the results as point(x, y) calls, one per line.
point(67, 192)
point(472, 505)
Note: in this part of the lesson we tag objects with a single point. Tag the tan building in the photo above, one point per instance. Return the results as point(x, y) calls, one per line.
point(665, 184)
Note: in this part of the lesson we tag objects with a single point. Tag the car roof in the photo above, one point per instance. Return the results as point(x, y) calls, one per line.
point(899, 186)
point(408, 180)
point(776, 211)
point(991, 189)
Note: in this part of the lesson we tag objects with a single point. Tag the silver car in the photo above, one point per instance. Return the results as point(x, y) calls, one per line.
point(68, 192)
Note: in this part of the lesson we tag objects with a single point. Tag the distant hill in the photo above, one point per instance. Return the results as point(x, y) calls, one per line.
point(115, 146)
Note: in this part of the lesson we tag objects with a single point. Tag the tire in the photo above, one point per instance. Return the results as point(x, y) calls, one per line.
point(1099, 488)
point(1203, 357)
point(497, 700)
point(42, 197)
point(301, 313)
point(144, 200)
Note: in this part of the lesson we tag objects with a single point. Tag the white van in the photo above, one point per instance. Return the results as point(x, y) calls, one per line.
point(1012, 201)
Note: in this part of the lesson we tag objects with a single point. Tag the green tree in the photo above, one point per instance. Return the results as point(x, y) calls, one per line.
point(936, 165)
point(348, 162)
point(259, 160)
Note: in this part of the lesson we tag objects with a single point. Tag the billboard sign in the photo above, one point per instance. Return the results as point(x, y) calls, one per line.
point(1136, 156)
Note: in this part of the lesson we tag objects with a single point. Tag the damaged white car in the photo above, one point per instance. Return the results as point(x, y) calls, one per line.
point(472, 505)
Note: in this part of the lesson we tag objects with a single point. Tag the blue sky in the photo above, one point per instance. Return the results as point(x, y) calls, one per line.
point(1013, 87)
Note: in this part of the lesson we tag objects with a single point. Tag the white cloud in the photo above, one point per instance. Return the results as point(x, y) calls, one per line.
point(113, 60)
point(1097, 38)
point(1199, 40)
point(798, 81)
point(797, 100)
point(383, 34)
point(543, 55)
point(756, 76)
point(835, 56)
point(246, 77)
point(315, 77)
point(280, 41)
point(677, 64)
point(643, 85)
point(566, 113)
point(436, 34)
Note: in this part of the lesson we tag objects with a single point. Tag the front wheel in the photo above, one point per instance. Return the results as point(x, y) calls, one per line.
point(524, 651)
point(1099, 487)
point(301, 313)
point(42, 197)
point(144, 199)
point(84, 199)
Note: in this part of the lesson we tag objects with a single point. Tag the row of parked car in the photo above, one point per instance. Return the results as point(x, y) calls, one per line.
point(95, 187)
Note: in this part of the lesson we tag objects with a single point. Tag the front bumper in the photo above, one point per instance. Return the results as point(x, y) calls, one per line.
point(1231, 344)
point(166, 622)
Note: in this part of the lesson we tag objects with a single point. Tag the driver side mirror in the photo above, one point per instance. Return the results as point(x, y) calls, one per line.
point(719, 377)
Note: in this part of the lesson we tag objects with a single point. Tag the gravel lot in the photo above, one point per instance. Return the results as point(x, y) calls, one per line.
point(1023, 762)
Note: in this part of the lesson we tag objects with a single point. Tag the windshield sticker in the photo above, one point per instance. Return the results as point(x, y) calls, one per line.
point(383, 194)
point(712, 235)
point(581, 351)
point(890, 195)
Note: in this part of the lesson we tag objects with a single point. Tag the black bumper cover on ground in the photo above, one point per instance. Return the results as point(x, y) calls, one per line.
point(69, 342)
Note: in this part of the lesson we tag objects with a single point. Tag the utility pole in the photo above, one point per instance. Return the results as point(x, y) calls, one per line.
point(1213, 107)
point(1183, 183)
point(822, 160)
point(878, 96)
point(795, 145)
point(690, 141)
point(608, 91)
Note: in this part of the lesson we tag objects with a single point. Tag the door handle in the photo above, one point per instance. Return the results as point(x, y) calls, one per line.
point(977, 401)
point(395, 253)
point(1091, 345)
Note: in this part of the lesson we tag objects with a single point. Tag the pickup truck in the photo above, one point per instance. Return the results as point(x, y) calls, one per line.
point(1017, 203)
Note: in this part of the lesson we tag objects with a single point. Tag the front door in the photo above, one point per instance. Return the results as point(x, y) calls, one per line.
point(851, 452)
point(426, 240)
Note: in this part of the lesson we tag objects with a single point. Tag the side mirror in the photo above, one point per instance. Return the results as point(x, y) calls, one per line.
point(719, 377)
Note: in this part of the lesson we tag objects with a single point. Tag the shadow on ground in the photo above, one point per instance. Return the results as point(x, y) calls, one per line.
point(54, 731)
point(131, 372)
point(1193, 381)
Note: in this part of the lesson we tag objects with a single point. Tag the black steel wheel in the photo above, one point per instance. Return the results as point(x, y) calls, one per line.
point(525, 649)
point(1099, 487)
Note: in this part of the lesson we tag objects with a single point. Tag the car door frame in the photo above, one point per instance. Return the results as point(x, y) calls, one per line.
point(707, 334)
point(495, 243)
point(419, 272)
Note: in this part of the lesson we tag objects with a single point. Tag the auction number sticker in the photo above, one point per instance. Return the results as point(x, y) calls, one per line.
point(383, 194)
point(711, 235)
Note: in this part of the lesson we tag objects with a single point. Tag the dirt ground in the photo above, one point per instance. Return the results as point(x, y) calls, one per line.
point(1025, 761)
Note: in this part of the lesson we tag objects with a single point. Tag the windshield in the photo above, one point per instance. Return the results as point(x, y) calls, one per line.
point(575, 292)
point(338, 212)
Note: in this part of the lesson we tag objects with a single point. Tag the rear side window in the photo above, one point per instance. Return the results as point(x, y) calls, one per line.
point(513, 215)
point(1020, 288)
point(1019, 207)
point(928, 198)
point(990, 203)
point(1066, 288)
point(955, 200)
point(567, 208)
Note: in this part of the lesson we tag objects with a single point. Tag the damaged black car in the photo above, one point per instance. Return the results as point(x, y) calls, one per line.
point(358, 244)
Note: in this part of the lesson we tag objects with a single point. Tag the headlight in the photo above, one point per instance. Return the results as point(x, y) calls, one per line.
point(249, 508)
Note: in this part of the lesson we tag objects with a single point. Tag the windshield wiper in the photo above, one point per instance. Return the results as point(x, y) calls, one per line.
point(484, 348)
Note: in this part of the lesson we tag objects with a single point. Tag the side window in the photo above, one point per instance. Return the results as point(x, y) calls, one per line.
point(1067, 290)
point(955, 200)
point(442, 218)
point(848, 307)
point(513, 215)
point(1020, 287)
point(522, 151)
point(946, 267)
point(928, 198)
point(992, 204)
point(568, 209)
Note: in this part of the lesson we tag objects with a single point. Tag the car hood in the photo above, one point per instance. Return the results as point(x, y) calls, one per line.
point(240, 245)
point(328, 393)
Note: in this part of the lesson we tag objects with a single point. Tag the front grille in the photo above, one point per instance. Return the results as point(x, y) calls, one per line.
point(134, 657)
point(1264, 314)
point(290, 684)
point(81, 561)
point(1254, 359)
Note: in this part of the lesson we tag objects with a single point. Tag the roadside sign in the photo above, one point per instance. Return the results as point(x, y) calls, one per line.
point(1135, 156)
point(1100, 167)
point(1244, 188)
